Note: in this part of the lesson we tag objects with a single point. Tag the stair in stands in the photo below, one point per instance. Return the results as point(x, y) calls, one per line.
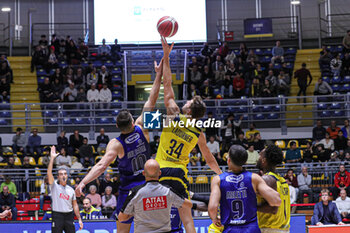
point(24, 90)
point(297, 114)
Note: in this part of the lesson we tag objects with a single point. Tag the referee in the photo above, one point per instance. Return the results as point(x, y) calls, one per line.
point(63, 200)
point(151, 203)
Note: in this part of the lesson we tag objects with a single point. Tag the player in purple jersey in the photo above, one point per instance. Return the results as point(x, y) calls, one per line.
point(131, 149)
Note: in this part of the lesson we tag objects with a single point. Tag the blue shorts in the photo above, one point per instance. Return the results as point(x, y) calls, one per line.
point(242, 229)
point(123, 194)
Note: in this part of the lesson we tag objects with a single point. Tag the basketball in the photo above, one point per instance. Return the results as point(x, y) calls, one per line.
point(167, 26)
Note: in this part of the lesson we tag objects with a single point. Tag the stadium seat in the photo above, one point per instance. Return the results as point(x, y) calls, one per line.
point(297, 143)
point(336, 106)
point(202, 179)
point(338, 113)
point(268, 51)
point(267, 108)
point(326, 79)
point(67, 121)
point(346, 79)
point(290, 51)
point(32, 161)
point(336, 87)
point(190, 179)
point(325, 114)
point(79, 121)
point(336, 80)
point(72, 182)
point(103, 120)
point(280, 143)
point(272, 116)
point(256, 108)
point(345, 88)
point(37, 172)
point(18, 161)
point(258, 52)
point(3, 121)
point(40, 161)
point(53, 121)
point(322, 106)
point(38, 183)
point(259, 117)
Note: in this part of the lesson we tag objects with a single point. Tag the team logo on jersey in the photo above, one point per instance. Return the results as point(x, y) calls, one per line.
point(132, 138)
point(234, 178)
point(151, 120)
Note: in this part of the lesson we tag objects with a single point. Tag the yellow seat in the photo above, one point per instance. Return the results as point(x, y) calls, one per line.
point(202, 179)
point(302, 143)
point(18, 153)
point(297, 143)
point(280, 143)
point(37, 172)
point(46, 150)
point(97, 158)
point(72, 182)
point(40, 161)
point(32, 161)
point(109, 170)
point(190, 179)
point(3, 164)
point(38, 183)
point(93, 150)
point(284, 154)
point(18, 161)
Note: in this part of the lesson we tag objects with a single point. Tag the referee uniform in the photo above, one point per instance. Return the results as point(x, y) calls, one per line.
point(62, 208)
point(150, 204)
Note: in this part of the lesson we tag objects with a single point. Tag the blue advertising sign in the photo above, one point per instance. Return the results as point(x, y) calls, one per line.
point(258, 28)
point(297, 226)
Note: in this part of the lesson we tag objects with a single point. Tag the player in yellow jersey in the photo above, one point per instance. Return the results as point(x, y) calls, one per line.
point(178, 140)
point(273, 219)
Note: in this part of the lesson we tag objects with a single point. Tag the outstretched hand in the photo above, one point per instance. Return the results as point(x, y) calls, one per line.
point(158, 68)
point(166, 48)
point(53, 152)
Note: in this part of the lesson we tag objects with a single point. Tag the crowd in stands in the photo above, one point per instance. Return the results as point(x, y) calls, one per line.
point(6, 78)
point(222, 73)
point(69, 71)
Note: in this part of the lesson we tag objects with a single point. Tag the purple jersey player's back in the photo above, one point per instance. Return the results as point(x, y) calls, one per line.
point(136, 153)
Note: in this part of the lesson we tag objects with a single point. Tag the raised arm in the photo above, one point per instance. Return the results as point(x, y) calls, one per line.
point(169, 96)
point(214, 201)
point(266, 187)
point(114, 149)
point(152, 99)
point(208, 156)
point(53, 155)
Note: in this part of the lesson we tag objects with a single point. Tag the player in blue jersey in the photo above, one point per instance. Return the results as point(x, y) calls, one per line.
point(235, 191)
point(131, 149)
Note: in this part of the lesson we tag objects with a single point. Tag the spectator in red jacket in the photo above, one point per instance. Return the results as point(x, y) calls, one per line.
point(341, 181)
point(292, 180)
point(333, 130)
point(238, 86)
point(223, 50)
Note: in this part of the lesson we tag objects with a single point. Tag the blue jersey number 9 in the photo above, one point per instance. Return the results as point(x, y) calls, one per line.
point(237, 209)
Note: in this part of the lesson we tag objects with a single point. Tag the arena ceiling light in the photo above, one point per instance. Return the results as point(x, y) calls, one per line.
point(295, 2)
point(6, 9)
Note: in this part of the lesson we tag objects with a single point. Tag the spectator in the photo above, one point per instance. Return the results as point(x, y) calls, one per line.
point(336, 64)
point(81, 98)
point(196, 76)
point(34, 144)
point(19, 142)
point(45, 192)
point(194, 63)
point(341, 181)
point(109, 202)
point(104, 51)
point(228, 129)
point(52, 62)
point(322, 88)
point(93, 95)
point(89, 212)
point(206, 90)
point(268, 90)
point(195, 159)
point(11, 163)
point(223, 50)
point(207, 74)
point(219, 75)
point(5, 72)
point(214, 148)
point(86, 153)
point(277, 53)
point(70, 93)
point(107, 181)
point(62, 140)
point(346, 42)
point(243, 51)
point(154, 145)
point(335, 157)
point(340, 143)
point(68, 77)
point(345, 68)
point(258, 143)
point(308, 152)
point(62, 51)
point(75, 141)
point(45, 91)
point(253, 155)
point(231, 58)
point(325, 211)
point(95, 198)
point(327, 142)
point(333, 130)
point(83, 51)
point(322, 154)
point(92, 78)
point(193, 91)
point(293, 154)
point(301, 75)
point(283, 86)
point(38, 58)
point(212, 131)
point(8, 202)
point(105, 97)
point(43, 41)
point(215, 66)
point(325, 58)
point(249, 134)
point(116, 50)
point(103, 77)
point(292, 180)
point(72, 53)
point(238, 86)
point(304, 182)
point(64, 160)
point(252, 57)
point(346, 129)
point(271, 78)
point(57, 75)
point(206, 51)
point(241, 140)
point(343, 204)
point(102, 141)
point(10, 186)
point(79, 79)
point(318, 132)
point(347, 150)
point(255, 88)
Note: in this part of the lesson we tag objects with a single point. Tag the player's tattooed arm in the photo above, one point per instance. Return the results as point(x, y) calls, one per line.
point(265, 207)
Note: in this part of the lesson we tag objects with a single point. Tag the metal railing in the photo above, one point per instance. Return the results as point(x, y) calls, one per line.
point(274, 112)
point(199, 177)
